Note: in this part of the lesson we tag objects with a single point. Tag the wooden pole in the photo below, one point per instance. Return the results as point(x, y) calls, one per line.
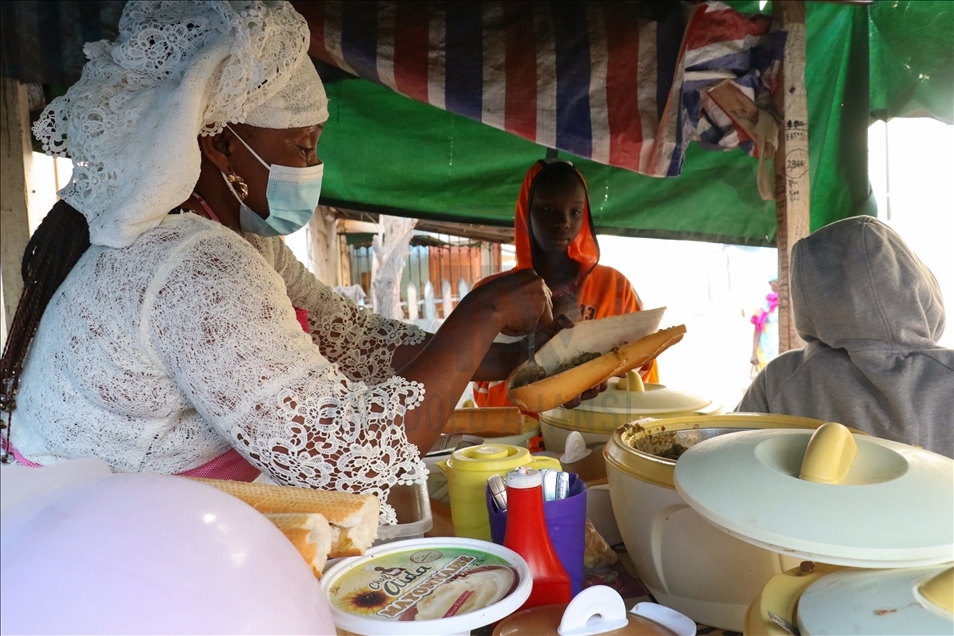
point(323, 239)
point(16, 155)
point(792, 209)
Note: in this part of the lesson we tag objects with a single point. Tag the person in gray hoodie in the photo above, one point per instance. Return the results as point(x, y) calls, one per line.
point(871, 314)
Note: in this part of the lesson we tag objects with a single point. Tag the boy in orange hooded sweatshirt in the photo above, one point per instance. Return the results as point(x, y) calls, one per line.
point(553, 234)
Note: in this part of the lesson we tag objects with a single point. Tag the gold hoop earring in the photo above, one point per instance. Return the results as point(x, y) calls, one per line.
point(240, 185)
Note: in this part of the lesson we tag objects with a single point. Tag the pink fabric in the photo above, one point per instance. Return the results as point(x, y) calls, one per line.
point(230, 465)
point(302, 316)
point(23, 461)
point(759, 319)
point(205, 206)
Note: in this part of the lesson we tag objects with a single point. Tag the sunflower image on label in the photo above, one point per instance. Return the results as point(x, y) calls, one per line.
point(424, 584)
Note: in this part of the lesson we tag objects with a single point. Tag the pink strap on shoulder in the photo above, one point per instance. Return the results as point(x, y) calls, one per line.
point(20, 459)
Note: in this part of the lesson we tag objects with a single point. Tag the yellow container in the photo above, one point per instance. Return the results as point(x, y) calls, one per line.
point(468, 470)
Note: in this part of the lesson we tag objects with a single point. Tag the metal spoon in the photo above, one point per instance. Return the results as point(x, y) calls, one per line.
point(548, 477)
point(534, 371)
point(498, 491)
point(784, 624)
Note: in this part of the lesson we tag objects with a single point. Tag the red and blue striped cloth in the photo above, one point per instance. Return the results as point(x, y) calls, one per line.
point(588, 78)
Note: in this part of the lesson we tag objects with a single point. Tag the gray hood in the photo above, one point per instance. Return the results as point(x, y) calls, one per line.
point(857, 286)
point(871, 313)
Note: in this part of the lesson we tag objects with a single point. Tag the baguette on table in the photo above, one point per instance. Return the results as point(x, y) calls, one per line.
point(501, 421)
point(352, 520)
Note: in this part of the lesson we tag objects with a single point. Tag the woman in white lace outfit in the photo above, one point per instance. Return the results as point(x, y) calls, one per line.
point(164, 303)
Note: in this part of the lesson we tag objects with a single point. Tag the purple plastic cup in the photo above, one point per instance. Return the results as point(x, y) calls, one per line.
point(566, 521)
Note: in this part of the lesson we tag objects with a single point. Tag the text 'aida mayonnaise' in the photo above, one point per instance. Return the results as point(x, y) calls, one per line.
point(424, 584)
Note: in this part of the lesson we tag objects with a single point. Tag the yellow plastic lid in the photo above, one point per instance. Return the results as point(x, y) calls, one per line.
point(489, 457)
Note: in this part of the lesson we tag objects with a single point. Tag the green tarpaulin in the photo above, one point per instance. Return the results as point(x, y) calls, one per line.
point(912, 59)
point(386, 153)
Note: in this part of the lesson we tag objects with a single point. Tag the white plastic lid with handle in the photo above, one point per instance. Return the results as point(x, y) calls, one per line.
point(595, 610)
point(654, 399)
point(599, 609)
point(892, 507)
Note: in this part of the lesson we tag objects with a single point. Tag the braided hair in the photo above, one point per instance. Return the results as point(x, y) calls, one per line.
point(53, 250)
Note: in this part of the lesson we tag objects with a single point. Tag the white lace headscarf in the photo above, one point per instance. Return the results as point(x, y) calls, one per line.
point(177, 70)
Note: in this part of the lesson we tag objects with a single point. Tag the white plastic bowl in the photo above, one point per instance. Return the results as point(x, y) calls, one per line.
point(685, 562)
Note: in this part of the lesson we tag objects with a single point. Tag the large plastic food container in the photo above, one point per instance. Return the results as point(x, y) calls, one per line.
point(686, 562)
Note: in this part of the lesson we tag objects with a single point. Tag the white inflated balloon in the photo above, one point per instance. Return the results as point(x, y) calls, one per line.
point(138, 553)
point(19, 484)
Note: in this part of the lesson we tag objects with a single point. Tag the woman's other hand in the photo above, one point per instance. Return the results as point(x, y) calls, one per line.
point(545, 334)
point(589, 394)
point(521, 302)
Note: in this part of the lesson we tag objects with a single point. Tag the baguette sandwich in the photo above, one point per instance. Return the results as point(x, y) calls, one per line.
point(565, 381)
point(309, 533)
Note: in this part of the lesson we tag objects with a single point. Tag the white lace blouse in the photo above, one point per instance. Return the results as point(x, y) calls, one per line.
point(159, 356)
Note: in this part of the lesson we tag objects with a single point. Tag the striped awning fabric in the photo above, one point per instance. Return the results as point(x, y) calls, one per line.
point(589, 78)
point(597, 79)
point(42, 41)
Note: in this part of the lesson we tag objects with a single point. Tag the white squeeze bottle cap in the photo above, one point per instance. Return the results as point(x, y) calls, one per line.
point(524, 477)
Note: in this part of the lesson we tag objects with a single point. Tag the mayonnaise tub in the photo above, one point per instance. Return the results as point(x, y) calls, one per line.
point(426, 586)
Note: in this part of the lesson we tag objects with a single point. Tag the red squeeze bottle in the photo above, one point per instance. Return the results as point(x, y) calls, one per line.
point(528, 536)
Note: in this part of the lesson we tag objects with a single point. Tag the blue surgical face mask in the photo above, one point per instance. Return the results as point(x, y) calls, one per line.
point(292, 195)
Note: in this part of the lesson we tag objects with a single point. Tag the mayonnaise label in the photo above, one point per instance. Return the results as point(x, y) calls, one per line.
point(424, 584)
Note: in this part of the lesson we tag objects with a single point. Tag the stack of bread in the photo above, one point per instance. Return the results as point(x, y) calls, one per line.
point(320, 524)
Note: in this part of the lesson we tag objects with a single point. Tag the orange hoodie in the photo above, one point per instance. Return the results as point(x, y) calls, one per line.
point(602, 291)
